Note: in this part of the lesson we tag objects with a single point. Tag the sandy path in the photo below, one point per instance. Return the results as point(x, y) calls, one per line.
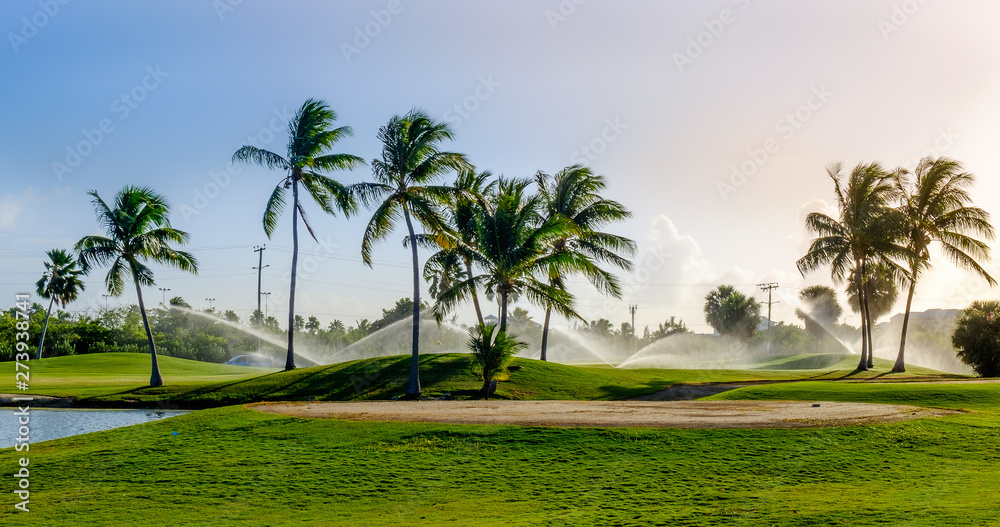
point(672, 414)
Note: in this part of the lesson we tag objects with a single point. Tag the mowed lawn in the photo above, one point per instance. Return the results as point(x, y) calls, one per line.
point(235, 466)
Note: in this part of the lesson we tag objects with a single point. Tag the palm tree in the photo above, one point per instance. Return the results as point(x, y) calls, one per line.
point(443, 269)
point(866, 233)
point(575, 194)
point(310, 138)
point(512, 250)
point(881, 289)
point(819, 310)
point(60, 283)
point(732, 313)
point(411, 162)
point(490, 355)
point(471, 191)
point(936, 205)
point(137, 231)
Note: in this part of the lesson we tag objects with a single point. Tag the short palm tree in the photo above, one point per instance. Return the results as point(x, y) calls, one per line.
point(60, 284)
point(574, 193)
point(936, 207)
point(404, 186)
point(491, 352)
point(310, 137)
point(137, 231)
point(512, 251)
point(867, 233)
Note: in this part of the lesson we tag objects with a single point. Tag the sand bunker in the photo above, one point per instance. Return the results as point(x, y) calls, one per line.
point(670, 414)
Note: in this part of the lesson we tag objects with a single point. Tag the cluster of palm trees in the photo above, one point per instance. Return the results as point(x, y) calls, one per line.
point(886, 225)
point(489, 235)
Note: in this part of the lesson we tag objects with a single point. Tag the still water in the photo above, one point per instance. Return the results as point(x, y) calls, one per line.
point(54, 423)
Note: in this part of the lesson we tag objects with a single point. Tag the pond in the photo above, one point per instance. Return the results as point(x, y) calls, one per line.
point(53, 423)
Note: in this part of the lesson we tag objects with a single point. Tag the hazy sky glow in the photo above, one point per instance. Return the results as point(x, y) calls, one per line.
point(713, 120)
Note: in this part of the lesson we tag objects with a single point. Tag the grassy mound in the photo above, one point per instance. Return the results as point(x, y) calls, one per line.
point(120, 379)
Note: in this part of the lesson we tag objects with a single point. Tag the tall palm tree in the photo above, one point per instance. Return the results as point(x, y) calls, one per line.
point(512, 250)
point(936, 205)
point(310, 138)
point(442, 270)
point(866, 233)
point(574, 193)
point(411, 162)
point(881, 285)
point(471, 191)
point(60, 283)
point(137, 231)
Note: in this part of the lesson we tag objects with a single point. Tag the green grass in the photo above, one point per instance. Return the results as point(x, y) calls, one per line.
point(234, 466)
point(984, 397)
point(120, 379)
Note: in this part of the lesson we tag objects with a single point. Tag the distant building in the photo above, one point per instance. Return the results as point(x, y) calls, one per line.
point(927, 316)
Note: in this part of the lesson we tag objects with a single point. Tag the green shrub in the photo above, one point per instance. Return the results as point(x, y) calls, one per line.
point(977, 337)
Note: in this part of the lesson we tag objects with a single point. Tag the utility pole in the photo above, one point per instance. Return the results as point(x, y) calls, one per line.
point(632, 309)
point(262, 317)
point(268, 295)
point(259, 249)
point(164, 290)
point(769, 287)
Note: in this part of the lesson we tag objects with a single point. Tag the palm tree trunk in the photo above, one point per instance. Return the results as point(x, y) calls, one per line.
point(290, 357)
point(900, 366)
point(858, 283)
point(44, 327)
point(545, 332)
point(503, 311)
point(871, 339)
point(414, 387)
point(475, 296)
point(154, 378)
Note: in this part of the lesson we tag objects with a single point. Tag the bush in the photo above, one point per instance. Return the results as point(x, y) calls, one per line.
point(977, 337)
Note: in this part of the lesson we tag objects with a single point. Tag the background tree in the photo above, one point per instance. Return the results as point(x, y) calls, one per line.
point(866, 233)
point(411, 162)
point(60, 284)
point(936, 208)
point(977, 337)
point(574, 193)
point(491, 353)
point(820, 310)
point(310, 139)
point(673, 326)
point(137, 231)
point(732, 313)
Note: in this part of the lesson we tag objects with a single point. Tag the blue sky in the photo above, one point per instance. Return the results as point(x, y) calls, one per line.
point(666, 99)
